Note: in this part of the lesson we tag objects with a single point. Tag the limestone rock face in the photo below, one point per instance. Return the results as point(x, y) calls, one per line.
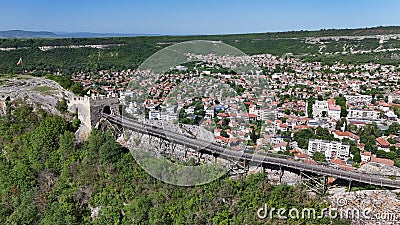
point(368, 207)
point(381, 169)
point(34, 90)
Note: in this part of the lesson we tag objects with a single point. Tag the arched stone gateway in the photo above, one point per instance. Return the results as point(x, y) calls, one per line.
point(91, 109)
point(107, 110)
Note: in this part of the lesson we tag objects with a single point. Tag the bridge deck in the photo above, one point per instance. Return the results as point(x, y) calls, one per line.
point(215, 149)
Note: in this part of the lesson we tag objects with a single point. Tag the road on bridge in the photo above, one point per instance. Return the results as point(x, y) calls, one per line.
point(213, 148)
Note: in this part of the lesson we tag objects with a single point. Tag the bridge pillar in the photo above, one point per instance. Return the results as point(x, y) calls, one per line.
point(316, 184)
point(349, 185)
point(173, 147)
point(325, 183)
point(281, 172)
point(246, 167)
point(199, 155)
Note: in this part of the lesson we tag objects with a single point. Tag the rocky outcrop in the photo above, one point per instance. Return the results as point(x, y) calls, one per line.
point(380, 169)
point(368, 207)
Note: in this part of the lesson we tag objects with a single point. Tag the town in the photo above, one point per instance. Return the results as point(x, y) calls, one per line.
point(342, 115)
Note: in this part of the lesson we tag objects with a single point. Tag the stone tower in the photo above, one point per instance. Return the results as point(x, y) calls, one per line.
point(90, 109)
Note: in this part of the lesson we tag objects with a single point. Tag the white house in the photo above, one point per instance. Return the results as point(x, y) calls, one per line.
point(190, 110)
point(326, 109)
point(363, 114)
point(345, 134)
point(154, 115)
point(210, 113)
point(331, 149)
point(365, 156)
point(358, 99)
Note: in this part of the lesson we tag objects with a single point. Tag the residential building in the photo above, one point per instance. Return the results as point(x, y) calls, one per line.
point(366, 156)
point(331, 149)
point(383, 144)
point(366, 99)
point(333, 109)
point(388, 162)
point(326, 109)
point(345, 134)
point(363, 114)
point(154, 115)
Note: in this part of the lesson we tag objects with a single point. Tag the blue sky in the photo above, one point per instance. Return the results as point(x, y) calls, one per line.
point(195, 17)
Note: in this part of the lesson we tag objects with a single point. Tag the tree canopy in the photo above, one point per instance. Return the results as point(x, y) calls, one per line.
point(48, 178)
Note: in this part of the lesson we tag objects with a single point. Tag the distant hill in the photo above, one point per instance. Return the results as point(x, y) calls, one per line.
point(125, 51)
point(27, 34)
point(47, 34)
point(382, 30)
point(99, 35)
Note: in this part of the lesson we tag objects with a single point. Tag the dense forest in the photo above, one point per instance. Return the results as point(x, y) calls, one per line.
point(46, 177)
point(129, 52)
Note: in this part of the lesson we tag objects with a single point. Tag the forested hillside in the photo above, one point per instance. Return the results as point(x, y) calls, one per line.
point(122, 53)
point(48, 178)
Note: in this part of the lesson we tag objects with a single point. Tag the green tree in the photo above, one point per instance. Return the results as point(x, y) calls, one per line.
point(394, 128)
point(310, 103)
point(109, 151)
point(224, 134)
point(138, 210)
point(386, 155)
point(77, 89)
point(302, 137)
point(319, 157)
point(62, 106)
point(341, 101)
point(287, 111)
point(357, 157)
point(340, 123)
point(370, 148)
point(75, 124)
point(45, 139)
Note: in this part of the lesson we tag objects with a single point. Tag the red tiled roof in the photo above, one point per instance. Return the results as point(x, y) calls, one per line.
point(338, 162)
point(382, 161)
point(366, 153)
point(220, 138)
point(310, 161)
point(252, 115)
point(223, 114)
point(346, 167)
point(301, 155)
point(281, 144)
point(294, 151)
point(346, 134)
point(383, 142)
point(283, 125)
point(358, 122)
point(332, 105)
